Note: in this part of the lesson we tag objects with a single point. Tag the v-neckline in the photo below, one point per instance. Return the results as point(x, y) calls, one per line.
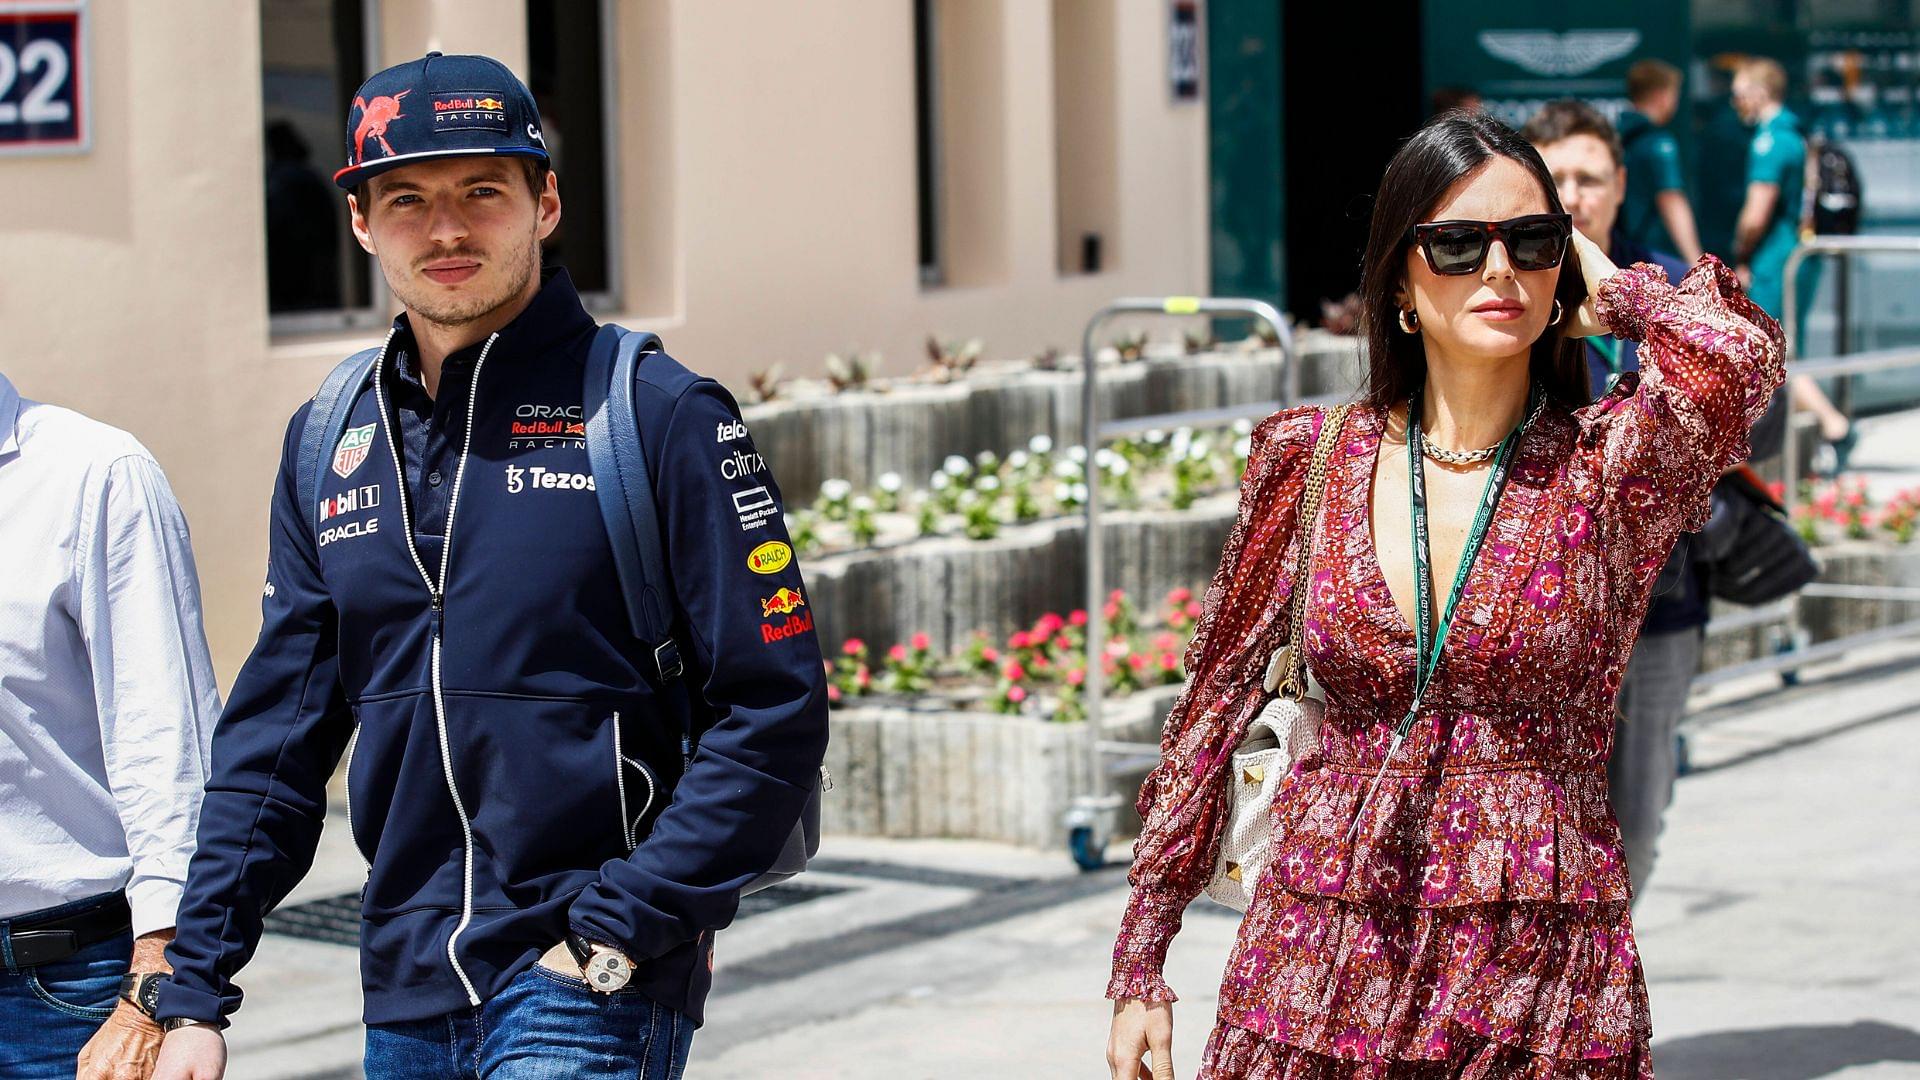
point(1401, 629)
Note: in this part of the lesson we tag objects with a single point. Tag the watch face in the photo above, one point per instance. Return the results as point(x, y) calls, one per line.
point(150, 994)
point(608, 972)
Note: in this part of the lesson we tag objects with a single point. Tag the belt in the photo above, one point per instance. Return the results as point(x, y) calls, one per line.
point(36, 939)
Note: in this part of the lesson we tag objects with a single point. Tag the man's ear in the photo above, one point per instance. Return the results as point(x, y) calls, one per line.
point(361, 231)
point(549, 212)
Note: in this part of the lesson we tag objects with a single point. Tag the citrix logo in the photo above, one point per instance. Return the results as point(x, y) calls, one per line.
point(740, 465)
point(539, 476)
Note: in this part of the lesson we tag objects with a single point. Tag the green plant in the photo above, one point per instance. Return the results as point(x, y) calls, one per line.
point(864, 529)
point(909, 670)
point(804, 530)
point(886, 492)
point(949, 360)
point(853, 371)
point(1131, 346)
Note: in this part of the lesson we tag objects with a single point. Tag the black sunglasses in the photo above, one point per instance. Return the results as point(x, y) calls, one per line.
point(1534, 242)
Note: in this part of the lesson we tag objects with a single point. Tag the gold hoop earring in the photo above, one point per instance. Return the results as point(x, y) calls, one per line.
point(1409, 321)
point(1558, 314)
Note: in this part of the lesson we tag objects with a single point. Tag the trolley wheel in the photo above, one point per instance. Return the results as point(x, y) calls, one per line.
point(1088, 853)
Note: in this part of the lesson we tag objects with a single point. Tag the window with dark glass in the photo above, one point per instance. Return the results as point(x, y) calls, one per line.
point(567, 72)
point(313, 56)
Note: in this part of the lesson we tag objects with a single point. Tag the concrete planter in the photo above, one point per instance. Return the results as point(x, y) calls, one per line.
point(949, 587)
point(901, 770)
point(910, 428)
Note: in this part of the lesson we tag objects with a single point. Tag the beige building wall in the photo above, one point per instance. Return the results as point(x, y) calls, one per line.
point(766, 190)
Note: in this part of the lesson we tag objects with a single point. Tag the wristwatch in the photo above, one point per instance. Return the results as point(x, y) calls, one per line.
point(175, 1023)
point(142, 990)
point(605, 968)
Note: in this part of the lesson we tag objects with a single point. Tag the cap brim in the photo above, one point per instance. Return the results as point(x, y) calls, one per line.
point(354, 175)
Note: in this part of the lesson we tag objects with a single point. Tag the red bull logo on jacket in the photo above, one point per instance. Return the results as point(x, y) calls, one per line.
point(785, 601)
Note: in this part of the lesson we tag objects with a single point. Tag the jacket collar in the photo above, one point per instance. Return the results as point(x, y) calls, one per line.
point(9, 417)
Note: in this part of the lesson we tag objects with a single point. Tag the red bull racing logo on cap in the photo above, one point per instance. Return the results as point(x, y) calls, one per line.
point(467, 110)
point(375, 117)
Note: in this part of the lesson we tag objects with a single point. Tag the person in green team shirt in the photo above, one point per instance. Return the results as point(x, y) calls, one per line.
point(1656, 214)
point(1769, 225)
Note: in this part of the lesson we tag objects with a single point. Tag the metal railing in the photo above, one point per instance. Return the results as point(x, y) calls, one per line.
point(1090, 823)
point(1861, 363)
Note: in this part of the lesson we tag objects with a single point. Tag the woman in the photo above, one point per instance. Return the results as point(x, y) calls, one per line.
point(1452, 903)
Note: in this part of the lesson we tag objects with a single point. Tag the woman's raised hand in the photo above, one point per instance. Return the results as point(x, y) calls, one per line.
point(1596, 268)
point(1139, 1028)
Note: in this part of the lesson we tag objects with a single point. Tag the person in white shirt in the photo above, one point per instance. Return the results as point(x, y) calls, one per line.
point(107, 707)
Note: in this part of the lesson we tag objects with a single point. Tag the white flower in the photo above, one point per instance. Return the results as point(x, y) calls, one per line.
point(1155, 436)
point(1181, 440)
point(1243, 426)
point(941, 481)
point(986, 459)
point(1017, 460)
point(835, 489)
point(1104, 457)
point(1077, 454)
point(1062, 492)
point(1066, 470)
point(1198, 451)
point(1242, 446)
point(1119, 466)
point(1041, 444)
point(863, 504)
point(956, 465)
point(890, 482)
point(989, 483)
point(1079, 493)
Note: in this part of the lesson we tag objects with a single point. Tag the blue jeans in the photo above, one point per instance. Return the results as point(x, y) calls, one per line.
point(48, 1012)
point(543, 1026)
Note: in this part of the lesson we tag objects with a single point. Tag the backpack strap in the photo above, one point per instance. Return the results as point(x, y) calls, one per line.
point(625, 490)
point(326, 422)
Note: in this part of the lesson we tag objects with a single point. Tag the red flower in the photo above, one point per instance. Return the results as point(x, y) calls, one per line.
point(990, 655)
point(1016, 694)
point(833, 692)
point(1165, 642)
point(1138, 661)
point(863, 678)
point(1111, 610)
point(921, 641)
point(853, 646)
point(1048, 624)
point(1077, 617)
point(1167, 661)
point(897, 654)
point(1063, 642)
point(1077, 677)
point(1019, 640)
point(1193, 609)
point(1014, 672)
point(1179, 596)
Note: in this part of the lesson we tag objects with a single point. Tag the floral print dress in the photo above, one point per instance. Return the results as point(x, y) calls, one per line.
point(1473, 921)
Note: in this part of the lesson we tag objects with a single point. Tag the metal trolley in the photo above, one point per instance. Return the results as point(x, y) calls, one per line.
point(1092, 819)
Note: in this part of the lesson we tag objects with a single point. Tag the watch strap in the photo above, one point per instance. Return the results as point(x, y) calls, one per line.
point(141, 989)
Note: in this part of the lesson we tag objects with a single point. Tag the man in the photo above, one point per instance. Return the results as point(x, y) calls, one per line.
point(107, 703)
point(1583, 153)
point(1656, 214)
point(536, 797)
point(1768, 227)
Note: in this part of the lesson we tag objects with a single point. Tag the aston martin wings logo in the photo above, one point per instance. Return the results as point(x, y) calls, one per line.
point(1544, 52)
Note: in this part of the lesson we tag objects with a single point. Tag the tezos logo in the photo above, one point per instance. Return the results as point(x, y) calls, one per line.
point(539, 477)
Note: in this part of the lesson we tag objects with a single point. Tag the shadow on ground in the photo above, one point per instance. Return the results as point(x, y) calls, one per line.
point(1784, 1053)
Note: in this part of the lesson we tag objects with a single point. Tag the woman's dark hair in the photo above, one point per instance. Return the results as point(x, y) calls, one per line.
point(1437, 157)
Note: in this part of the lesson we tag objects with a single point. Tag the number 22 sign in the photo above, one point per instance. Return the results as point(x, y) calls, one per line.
point(42, 78)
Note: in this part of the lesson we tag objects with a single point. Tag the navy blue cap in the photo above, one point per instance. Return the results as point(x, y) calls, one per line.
point(438, 106)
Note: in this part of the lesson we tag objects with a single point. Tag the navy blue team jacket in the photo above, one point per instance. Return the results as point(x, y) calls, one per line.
point(536, 779)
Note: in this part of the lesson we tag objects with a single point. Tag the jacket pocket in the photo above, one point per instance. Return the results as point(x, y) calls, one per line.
point(638, 788)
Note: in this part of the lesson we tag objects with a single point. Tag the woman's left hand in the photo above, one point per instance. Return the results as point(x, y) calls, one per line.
point(1596, 268)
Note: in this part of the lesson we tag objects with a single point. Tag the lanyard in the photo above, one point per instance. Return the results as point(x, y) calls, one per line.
point(1428, 645)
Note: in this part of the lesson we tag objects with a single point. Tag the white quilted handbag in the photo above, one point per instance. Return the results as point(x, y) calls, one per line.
point(1287, 728)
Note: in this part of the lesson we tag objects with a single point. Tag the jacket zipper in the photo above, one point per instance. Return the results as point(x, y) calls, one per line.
point(630, 826)
point(437, 598)
point(353, 741)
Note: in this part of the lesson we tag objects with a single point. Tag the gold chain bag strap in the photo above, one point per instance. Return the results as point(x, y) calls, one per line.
point(1288, 727)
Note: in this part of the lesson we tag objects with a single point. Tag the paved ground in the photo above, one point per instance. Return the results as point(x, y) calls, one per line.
point(1779, 933)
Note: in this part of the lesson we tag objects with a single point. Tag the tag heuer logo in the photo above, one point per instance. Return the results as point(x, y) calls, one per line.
point(1544, 52)
point(352, 450)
